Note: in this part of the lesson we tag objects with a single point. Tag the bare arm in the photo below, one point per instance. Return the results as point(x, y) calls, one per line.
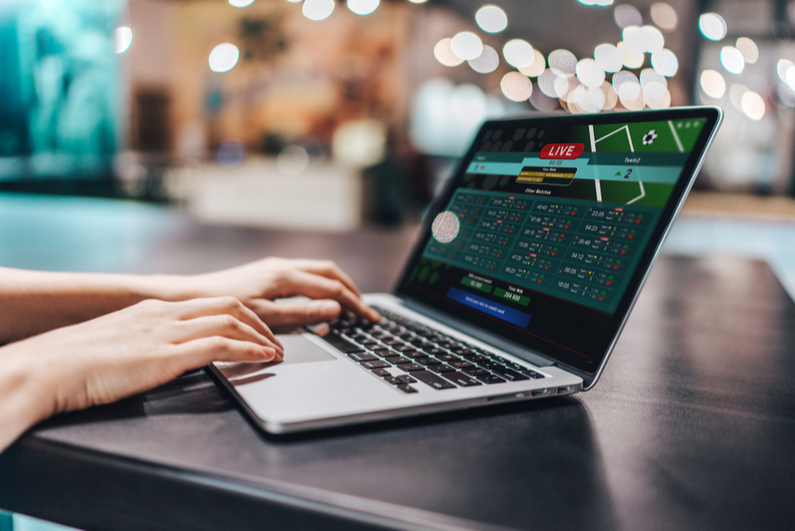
point(123, 353)
point(34, 302)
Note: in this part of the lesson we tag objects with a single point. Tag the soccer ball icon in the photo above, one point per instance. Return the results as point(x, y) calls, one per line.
point(649, 137)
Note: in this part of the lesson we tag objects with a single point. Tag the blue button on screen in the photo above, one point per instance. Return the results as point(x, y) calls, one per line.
point(492, 308)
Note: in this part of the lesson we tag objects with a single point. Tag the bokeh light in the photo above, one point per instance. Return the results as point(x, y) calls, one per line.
point(536, 68)
point(467, 45)
point(664, 16)
point(608, 57)
point(363, 7)
point(643, 39)
point(589, 73)
point(122, 39)
point(631, 59)
point(444, 53)
point(653, 83)
point(491, 19)
point(224, 57)
point(712, 26)
point(627, 15)
point(541, 100)
point(662, 102)
point(360, 143)
point(318, 9)
point(240, 3)
point(782, 67)
point(626, 85)
point(713, 84)
point(231, 153)
point(753, 105)
point(445, 227)
point(665, 62)
point(292, 161)
point(562, 63)
point(488, 61)
point(791, 78)
point(748, 48)
point(546, 83)
point(736, 93)
point(565, 87)
point(611, 98)
point(518, 53)
point(732, 59)
point(516, 86)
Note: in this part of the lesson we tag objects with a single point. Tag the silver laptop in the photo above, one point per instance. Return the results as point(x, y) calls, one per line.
point(524, 274)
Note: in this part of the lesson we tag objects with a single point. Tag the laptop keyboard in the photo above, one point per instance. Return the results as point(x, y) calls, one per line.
point(404, 353)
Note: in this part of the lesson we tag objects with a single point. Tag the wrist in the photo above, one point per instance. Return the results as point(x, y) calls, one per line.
point(25, 396)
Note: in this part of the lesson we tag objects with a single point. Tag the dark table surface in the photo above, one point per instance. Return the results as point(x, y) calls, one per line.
point(692, 425)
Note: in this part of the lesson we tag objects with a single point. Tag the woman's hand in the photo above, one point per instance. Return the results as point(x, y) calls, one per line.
point(257, 285)
point(123, 353)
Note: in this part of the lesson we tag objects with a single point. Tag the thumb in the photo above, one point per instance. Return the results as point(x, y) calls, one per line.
point(298, 313)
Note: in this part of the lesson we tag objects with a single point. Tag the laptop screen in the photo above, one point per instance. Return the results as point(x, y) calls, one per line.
point(550, 225)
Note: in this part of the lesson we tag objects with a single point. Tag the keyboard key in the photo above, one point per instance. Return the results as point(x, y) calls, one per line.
point(426, 361)
point(434, 381)
point(392, 380)
point(414, 354)
point(475, 371)
point(398, 360)
point(510, 375)
point(361, 356)
point(403, 348)
point(411, 367)
point(381, 372)
point(461, 364)
point(489, 378)
point(459, 378)
point(342, 344)
point(441, 368)
point(406, 379)
point(447, 357)
point(374, 364)
point(532, 374)
point(406, 388)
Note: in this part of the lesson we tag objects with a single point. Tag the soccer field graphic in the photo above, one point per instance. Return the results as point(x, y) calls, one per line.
point(627, 186)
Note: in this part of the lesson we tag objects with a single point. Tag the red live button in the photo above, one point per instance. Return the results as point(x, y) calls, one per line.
point(562, 151)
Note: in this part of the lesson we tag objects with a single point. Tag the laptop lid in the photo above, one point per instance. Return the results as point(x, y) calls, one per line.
point(547, 231)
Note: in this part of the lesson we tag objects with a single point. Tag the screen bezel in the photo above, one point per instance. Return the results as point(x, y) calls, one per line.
point(712, 115)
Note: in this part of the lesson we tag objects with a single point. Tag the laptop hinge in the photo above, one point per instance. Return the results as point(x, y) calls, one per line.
point(483, 335)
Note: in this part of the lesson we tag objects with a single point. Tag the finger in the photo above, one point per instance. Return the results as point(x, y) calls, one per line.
point(298, 313)
point(328, 269)
point(223, 325)
point(319, 287)
point(224, 305)
point(201, 352)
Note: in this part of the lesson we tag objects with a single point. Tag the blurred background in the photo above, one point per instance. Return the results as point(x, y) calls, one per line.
point(332, 115)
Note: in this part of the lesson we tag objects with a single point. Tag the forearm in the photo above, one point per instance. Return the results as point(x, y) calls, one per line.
point(33, 302)
point(23, 398)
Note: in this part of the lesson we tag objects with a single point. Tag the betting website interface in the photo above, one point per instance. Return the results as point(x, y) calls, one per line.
point(545, 229)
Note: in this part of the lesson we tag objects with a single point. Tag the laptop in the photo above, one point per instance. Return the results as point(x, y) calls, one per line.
point(524, 274)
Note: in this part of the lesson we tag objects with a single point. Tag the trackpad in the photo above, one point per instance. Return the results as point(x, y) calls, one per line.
point(299, 349)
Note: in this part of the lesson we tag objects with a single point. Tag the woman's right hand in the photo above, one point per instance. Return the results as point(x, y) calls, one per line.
point(123, 353)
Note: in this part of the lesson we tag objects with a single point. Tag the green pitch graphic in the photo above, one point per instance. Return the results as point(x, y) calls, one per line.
point(673, 136)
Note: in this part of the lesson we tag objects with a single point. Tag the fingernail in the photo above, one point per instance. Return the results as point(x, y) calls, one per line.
point(269, 352)
point(279, 343)
point(328, 309)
